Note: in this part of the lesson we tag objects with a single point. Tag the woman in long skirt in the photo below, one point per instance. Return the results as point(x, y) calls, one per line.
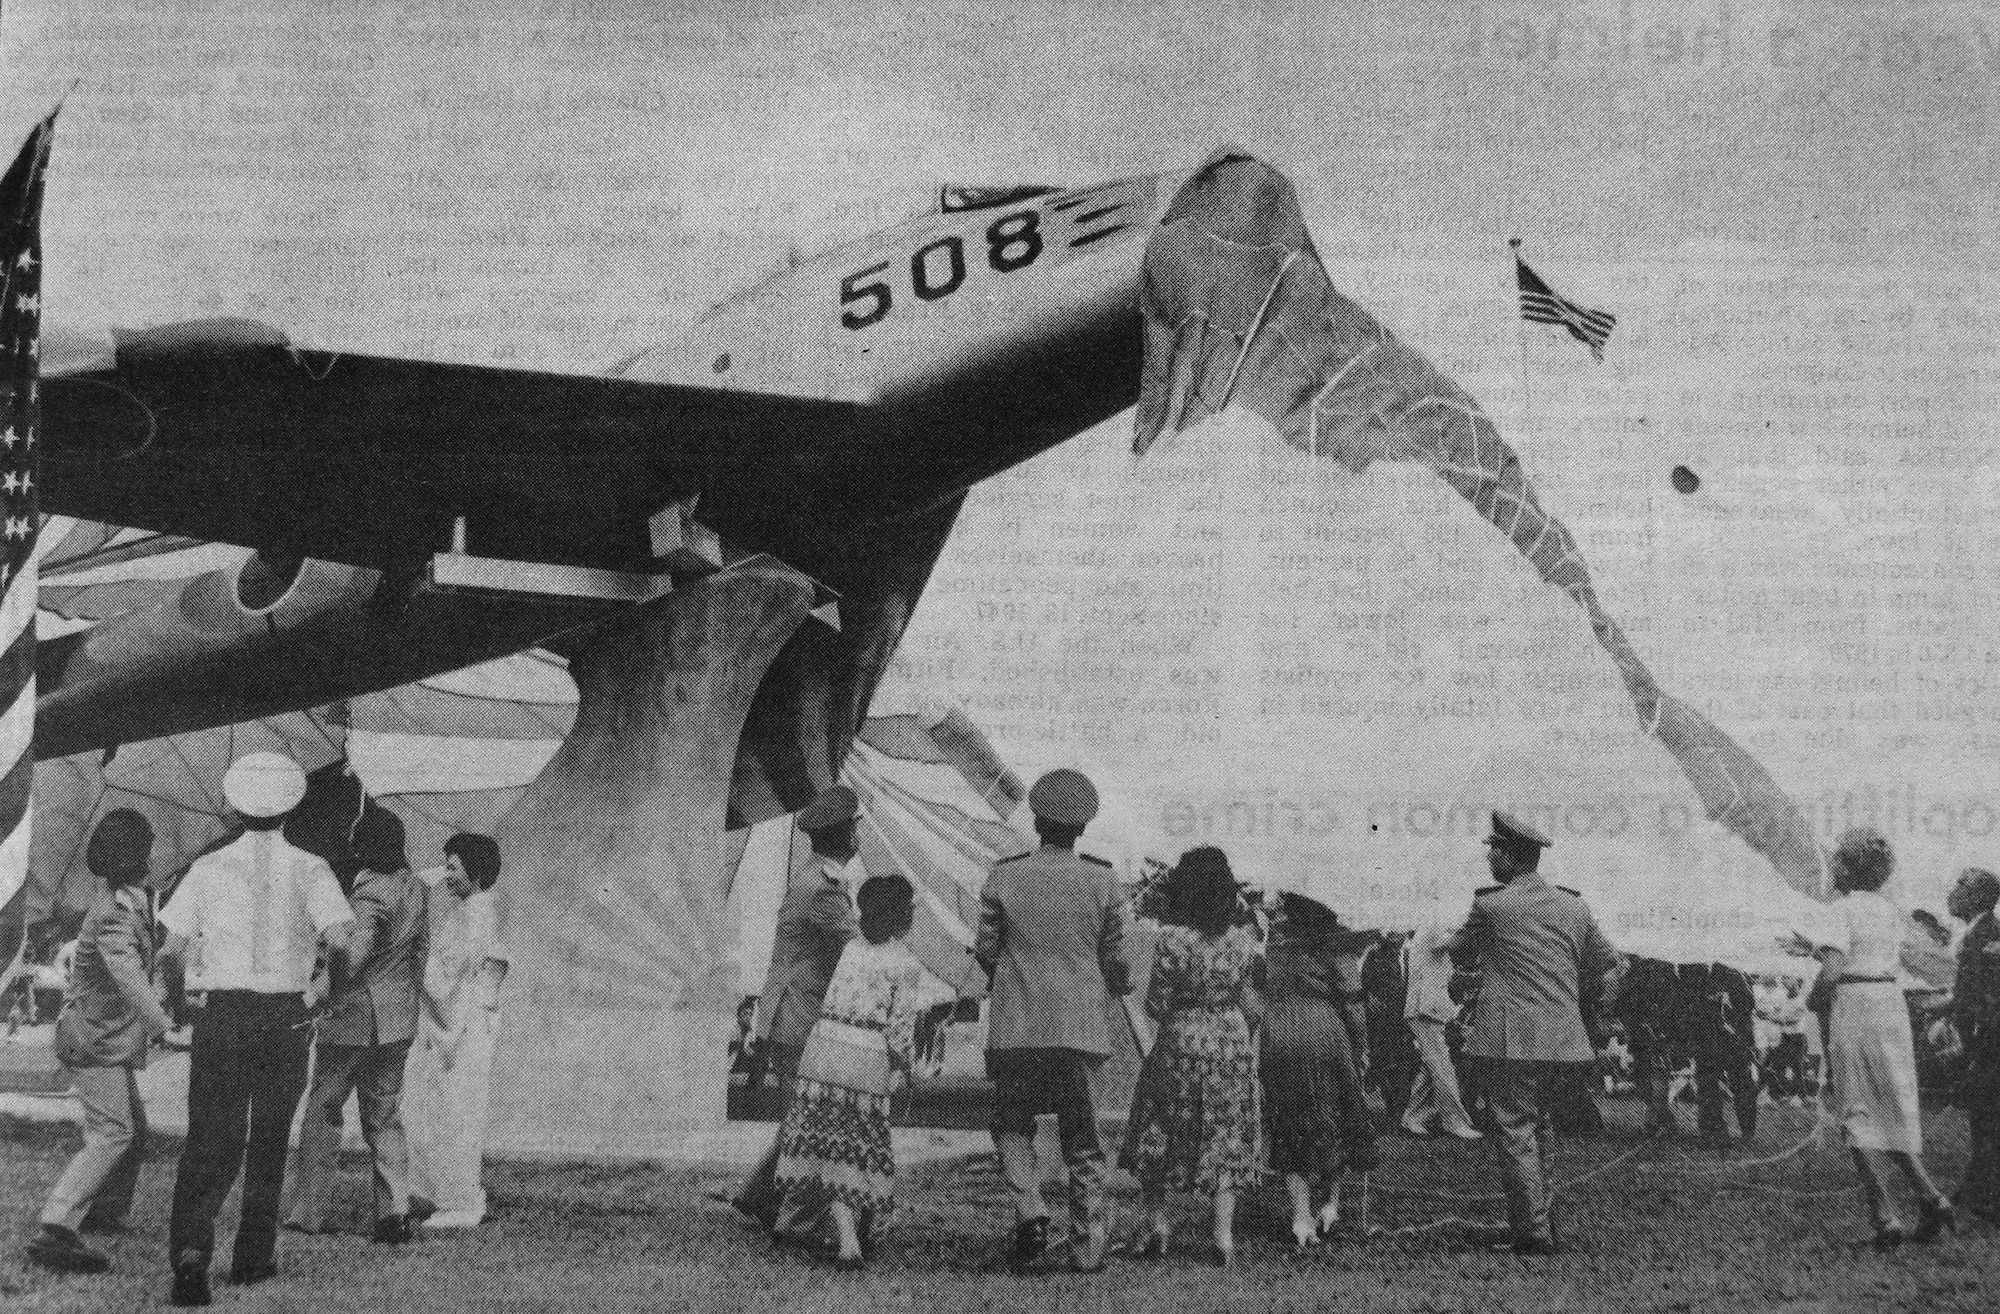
point(1869, 1048)
point(1194, 1123)
point(835, 1156)
point(1314, 1108)
point(450, 1076)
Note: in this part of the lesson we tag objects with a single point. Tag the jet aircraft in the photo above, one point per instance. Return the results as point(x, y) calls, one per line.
point(413, 517)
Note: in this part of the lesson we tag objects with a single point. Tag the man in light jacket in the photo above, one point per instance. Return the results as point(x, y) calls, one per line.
point(365, 1033)
point(110, 1015)
point(1051, 934)
point(1544, 963)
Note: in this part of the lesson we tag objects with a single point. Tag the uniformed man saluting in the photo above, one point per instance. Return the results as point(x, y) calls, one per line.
point(245, 925)
point(1051, 937)
point(1544, 962)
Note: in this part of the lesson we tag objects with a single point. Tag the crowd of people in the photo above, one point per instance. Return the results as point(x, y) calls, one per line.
point(1265, 1031)
point(1269, 1034)
point(356, 977)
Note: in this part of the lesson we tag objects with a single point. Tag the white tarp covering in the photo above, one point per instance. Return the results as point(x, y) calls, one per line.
point(396, 764)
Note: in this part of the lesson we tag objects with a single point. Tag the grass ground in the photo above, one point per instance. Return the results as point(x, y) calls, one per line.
point(1652, 1226)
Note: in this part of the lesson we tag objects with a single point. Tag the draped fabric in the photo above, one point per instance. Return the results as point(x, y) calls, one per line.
point(1239, 310)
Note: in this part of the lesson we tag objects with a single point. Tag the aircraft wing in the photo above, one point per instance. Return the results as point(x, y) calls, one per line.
point(222, 430)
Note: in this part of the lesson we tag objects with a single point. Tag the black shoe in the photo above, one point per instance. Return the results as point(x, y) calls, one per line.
point(64, 1251)
point(249, 1275)
point(190, 1281)
point(393, 1231)
point(1031, 1241)
point(421, 1208)
point(1934, 1217)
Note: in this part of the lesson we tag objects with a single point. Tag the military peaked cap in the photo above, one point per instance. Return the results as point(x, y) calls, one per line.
point(1509, 831)
point(1065, 797)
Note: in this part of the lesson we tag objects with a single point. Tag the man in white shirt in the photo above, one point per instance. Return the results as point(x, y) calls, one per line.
point(1428, 1009)
point(245, 925)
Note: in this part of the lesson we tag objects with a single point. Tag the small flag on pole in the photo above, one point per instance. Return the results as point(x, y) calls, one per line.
point(20, 473)
point(1541, 305)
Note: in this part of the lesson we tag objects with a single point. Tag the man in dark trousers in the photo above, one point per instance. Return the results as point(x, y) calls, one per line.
point(365, 1033)
point(1051, 936)
point(815, 922)
point(246, 922)
point(1976, 1011)
point(1720, 1013)
point(1543, 963)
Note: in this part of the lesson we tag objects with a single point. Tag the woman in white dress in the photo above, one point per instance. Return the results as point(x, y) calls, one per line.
point(451, 1065)
point(1870, 1053)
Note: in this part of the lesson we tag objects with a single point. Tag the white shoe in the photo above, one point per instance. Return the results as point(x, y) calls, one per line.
point(452, 1219)
point(1468, 1133)
point(1416, 1128)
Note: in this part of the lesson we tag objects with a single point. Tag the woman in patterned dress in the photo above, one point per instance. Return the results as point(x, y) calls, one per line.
point(835, 1158)
point(1870, 1051)
point(1194, 1116)
point(1314, 1107)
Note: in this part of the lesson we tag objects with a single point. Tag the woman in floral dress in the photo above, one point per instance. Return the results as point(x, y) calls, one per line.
point(835, 1158)
point(1194, 1116)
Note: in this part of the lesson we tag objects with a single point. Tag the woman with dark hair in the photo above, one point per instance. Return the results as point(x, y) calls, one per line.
point(1869, 1049)
point(1313, 1102)
point(365, 1031)
point(108, 1018)
point(1193, 1125)
point(451, 1065)
point(835, 1158)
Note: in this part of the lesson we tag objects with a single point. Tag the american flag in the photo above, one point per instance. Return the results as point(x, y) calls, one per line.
point(20, 472)
point(1541, 305)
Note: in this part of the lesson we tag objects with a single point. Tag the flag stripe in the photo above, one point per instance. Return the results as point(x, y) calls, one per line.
point(16, 788)
point(20, 473)
point(1541, 305)
point(17, 668)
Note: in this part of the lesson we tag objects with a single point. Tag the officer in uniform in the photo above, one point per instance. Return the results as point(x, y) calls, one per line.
point(245, 925)
point(1051, 940)
point(1544, 962)
point(815, 922)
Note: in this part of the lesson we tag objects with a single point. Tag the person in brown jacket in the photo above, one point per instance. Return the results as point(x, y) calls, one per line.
point(109, 1017)
point(1051, 932)
point(364, 1034)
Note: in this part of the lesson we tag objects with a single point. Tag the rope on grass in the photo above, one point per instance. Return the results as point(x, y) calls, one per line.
point(1491, 1197)
point(1815, 1136)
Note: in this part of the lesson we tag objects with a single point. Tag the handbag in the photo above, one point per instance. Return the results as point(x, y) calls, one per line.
point(846, 1056)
